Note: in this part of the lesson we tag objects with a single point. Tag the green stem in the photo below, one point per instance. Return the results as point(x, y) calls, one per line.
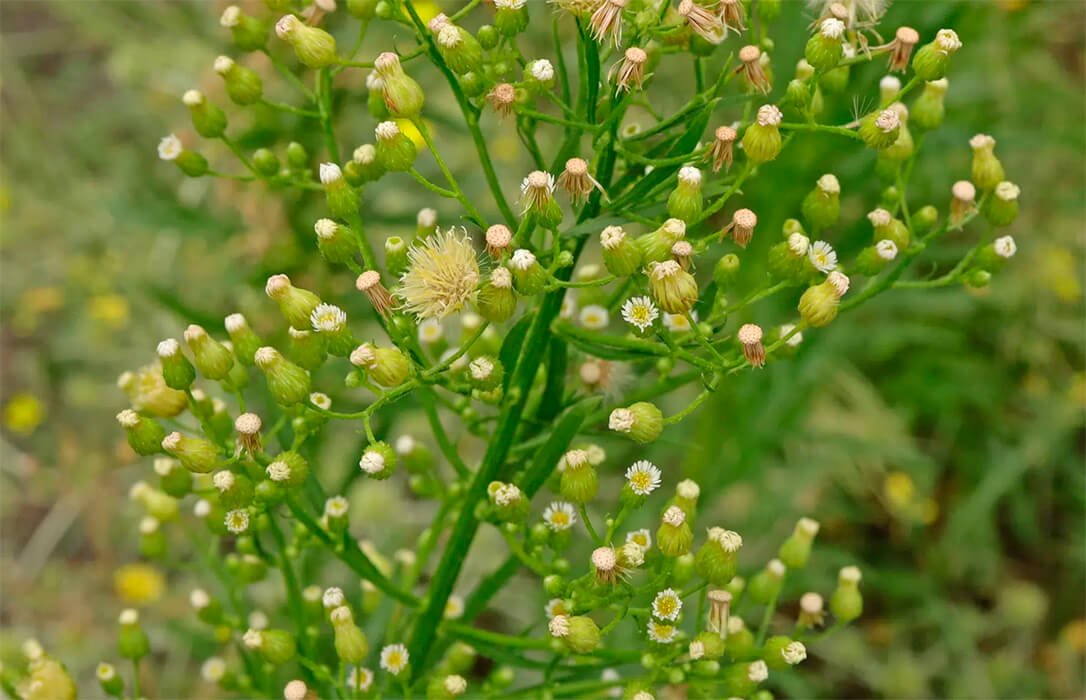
point(588, 524)
point(440, 191)
point(823, 128)
point(456, 191)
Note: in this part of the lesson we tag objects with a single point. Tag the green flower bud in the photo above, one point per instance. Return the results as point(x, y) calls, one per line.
point(395, 151)
point(364, 166)
point(446, 687)
point(330, 322)
point(711, 645)
point(577, 632)
point(342, 199)
point(931, 60)
point(265, 162)
point(462, 52)
point(788, 259)
point(235, 490)
point(873, 259)
point(765, 586)
point(249, 33)
point(818, 305)
point(152, 541)
point(717, 559)
point(396, 260)
point(243, 85)
point(1001, 209)
point(847, 603)
point(485, 372)
point(379, 460)
point(144, 434)
point(173, 478)
point(195, 454)
point(314, 47)
point(796, 550)
point(880, 130)
point(208, 609)
point(621, 256)
point(656, 245)
point(403, 96)
point(685, 201)
point(274, 645)
point(886, 227)
point(387, 366)
point(822, 206)
point(245, 341)
point(131, 639)
point(337, 243)
point(797, 95)
point(208, 120)
point(362, 9)
point(508, 502)
point(726, 270)
point(641, 421)
point(511, 18)
point(987, 170)
point(579, 479)
point(296, 304)
point(177, 371)
point(529, 277)
point(112, 684)
point(780, 652)
point(287, 382)
point(289, 469)
point(307, 349)
point(488, 36)
point(740, 680)
point(762, 139)
point(212, 359)
point(537, 194)
point(675, 289)
point(674, 537)
point(297, 157)
point(350, 641)
point(924, 219)
point(927, 110)
point(823, 50)
point(901, 149)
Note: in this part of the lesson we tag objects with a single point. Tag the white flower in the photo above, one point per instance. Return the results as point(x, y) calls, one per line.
point(559, 516)
point(667, 605)
point(793, 340)
point(213, 669)
point(335, 507)
point(237, 521)
point(522, 259)
point(594, 317)
point(554, 608)
point(947, 40)
point(430, 331)
point(643, 477)
point(696, 650)
point(822, 256)
point(798, 243)
point(640, 312)
point(332, 597)
point(481, 368)
point(769, 115)
point(642, 538)
point(729, 540)
point(661, 632)
point(558, 626)
point(329, 173)
point(328, 318)
point(1004, 246)
point(674, 516)
point(542, 70)
point(679, 323)
point(454, 607)
point(507, 494)
point(394, 658)
point(757, 672)
point(361, 678)
point(170, 147)
point(886, 249)
point(252, 638)
point(794, 653)
point(832, 28)
point(621, 420)
point(689, 175)
point(230, 17)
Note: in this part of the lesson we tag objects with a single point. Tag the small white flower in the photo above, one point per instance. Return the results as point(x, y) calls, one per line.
point(278, 471)
point(454, 607)
point(612, 236)
point(455, 684)
point(333, 597)
point(213, 670)
point(947, 40)
point(793, 340)
point(890, 84)
point(170, 147)
point(542, 70)
point(888, 120)
point(558, 626)
point(689, 175)
point(822, 256)
point(849, 574)
point(642, 538)
point(554, 608)
point(335, 507)
point(481, 368)
point(594, 317)
point(757, 672)
point(794, 653)
point(257, 619)
point(559, 516)
point(361, 678)
point(696, 650)
point(329, 172)
point(202, 508)
point(688, 490)
point(1004, 246)
point(621, 420)
point(661, 632)
point(405, 445)
point(386, 131)
point(285, 26)
point(1007, 191)
point(431, 331)
point(729, 540)
point(394, 658)
point(192, 98)
point(633, 554)
point(295, 690)
point(769, 115)
point(674, 516)
point(886, 249)
point(640, 312)
point(643, 477)
point(230, 17)
point(237, 521)
point(667, 605)
point(522, 259)
point(252, 638)
point(829, 184)
point(507, 494)
point(679, 323)
point(328, 318)
point(832, 28)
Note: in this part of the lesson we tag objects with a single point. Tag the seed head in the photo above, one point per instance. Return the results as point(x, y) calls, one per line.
point(442, 276)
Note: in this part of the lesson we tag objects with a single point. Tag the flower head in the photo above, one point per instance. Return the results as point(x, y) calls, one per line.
point(642, 538)
point(661, 632)
point(643, 477)
point(822, 256)
point(328, 318)
point(169, 148)
point(667, 605)
point(594, 317)
point(442, 276)
point(559, 516)
point(394, 658)
point(640, 312)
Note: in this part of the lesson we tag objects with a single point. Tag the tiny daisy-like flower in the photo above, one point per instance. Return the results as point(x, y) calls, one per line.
point(394, 658)
point(442, 275)
point(554, 608)
point(430, 331)
point(361, 678)
point(667, 605)
point(678, 323)
point(213, 670)
point(335, 507)
point(328, 318)
point(169, 147)
point(822, 256)
point(643, 477)
point(454, 607)
point(640, 312)
point(332, 597)
point(886, 249)
point(237, 521)
point(559, 516)
point(757, 671)
point(537, 189)
point(642, 538)
point(594, 317)
point(661, 632)
point(1005, 247)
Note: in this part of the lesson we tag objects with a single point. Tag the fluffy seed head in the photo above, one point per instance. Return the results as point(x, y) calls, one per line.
point(442, 276)
point(604, 559)
point(499, 237)
point(964, 191)
point(832, 28)
point(248, 424)
point(750, 334)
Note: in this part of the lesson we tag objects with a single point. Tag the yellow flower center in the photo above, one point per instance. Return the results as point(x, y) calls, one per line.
point(560, 519)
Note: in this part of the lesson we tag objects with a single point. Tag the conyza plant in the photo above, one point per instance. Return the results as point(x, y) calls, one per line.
point(541, 339)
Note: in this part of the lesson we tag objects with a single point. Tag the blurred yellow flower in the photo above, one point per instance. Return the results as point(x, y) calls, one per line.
point(1058, 273)
point(898, 489)
point(110, 309)
point(408, 129)
point(427, 9)
point(1077, 391)
point(42, 299)
point(928, 511)
point(23, 413)
point(1074, 635)
point(138, 584)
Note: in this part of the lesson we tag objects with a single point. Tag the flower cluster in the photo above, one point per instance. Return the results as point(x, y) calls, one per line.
point(621, 260)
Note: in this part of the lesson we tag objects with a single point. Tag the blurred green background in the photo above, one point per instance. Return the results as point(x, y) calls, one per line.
point(937, 435)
